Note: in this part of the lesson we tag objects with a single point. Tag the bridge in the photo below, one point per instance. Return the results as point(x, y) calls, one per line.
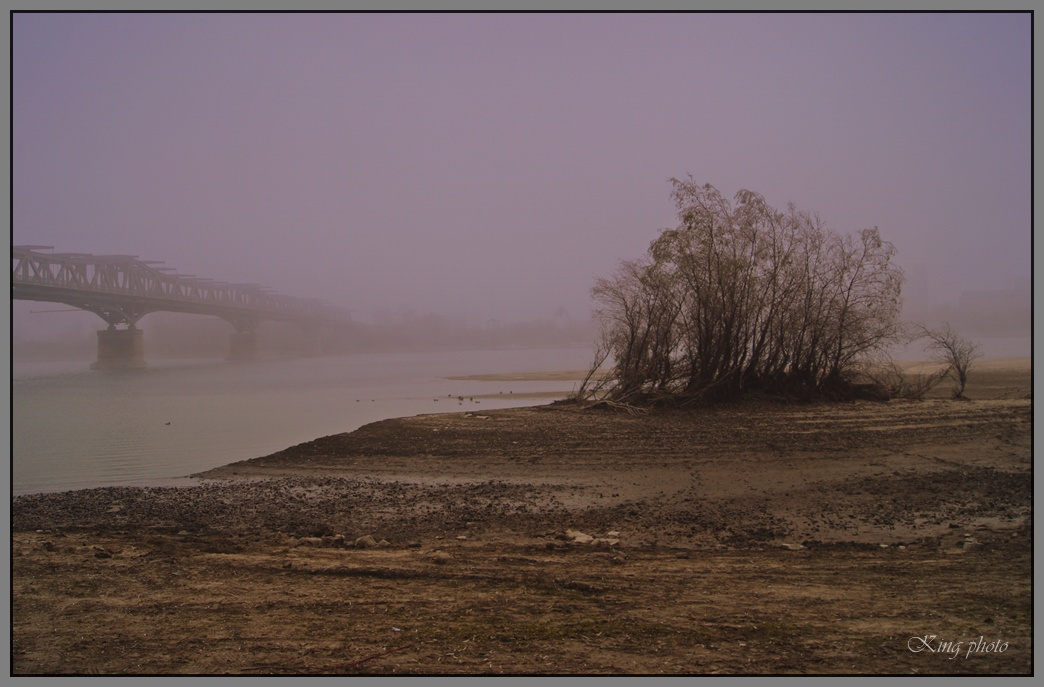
point(121, 289)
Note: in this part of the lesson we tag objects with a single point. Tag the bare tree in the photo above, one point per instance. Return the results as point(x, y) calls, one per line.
point(742, 297)
point(954, 352)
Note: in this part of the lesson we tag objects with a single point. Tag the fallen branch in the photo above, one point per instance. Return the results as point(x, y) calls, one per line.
point(617, 405)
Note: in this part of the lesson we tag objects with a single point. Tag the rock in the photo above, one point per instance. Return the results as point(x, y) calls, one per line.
point(48, 546)
point(793, 547)
point(309, 541)
point(613, 534)
point(441, 558)
point(579, 537)
point(383, 544)
point(365, 542)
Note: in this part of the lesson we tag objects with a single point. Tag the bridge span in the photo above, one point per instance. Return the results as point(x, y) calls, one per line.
point(121, 289)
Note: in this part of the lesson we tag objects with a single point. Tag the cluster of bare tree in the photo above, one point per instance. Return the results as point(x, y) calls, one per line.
point(744, 297)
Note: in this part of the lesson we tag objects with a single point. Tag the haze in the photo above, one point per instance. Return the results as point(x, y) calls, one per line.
point(492, 166)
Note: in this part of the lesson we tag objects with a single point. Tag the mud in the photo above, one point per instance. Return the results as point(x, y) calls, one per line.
point(755, 538)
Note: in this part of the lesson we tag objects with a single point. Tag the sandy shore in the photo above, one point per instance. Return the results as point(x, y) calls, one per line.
point(759, 538)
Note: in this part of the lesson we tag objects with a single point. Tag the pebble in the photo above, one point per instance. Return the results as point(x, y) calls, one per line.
point(441, 558)
point(365, 542)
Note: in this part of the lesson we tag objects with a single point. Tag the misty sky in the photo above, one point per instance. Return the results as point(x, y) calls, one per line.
point(495, 165)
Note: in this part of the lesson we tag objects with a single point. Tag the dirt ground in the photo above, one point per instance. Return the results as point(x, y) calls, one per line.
point(856, 538)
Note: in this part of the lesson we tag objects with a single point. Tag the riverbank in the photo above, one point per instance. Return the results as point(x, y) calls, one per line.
point(759, 538)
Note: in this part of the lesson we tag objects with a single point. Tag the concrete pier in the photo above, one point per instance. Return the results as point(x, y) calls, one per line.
point(120, 349)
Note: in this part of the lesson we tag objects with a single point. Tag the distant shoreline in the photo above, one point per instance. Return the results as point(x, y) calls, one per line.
point(547, 376)
point(1012, 364)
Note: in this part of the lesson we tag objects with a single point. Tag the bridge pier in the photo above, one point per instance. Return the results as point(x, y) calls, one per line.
point(120, 349)
point(121, 290)
point(243, 346)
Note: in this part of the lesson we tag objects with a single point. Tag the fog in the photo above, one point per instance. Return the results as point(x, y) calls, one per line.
point(480, 168)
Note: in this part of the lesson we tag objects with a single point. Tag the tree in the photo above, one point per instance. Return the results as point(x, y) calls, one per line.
point(954, 352)
point(742, 297)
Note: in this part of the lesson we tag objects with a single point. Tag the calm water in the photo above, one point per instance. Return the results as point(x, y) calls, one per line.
point(75, 428)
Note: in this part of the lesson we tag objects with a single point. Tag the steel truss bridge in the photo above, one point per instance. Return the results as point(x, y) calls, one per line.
point(121, 289)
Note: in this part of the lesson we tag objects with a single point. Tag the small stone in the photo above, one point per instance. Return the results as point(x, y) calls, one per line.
point(579, 537)
point(309, 541)
point(383, 544)
point(365, 542)
point(441, 558)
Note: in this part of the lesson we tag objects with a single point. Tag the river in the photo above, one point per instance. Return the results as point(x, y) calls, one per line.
point(75, 428)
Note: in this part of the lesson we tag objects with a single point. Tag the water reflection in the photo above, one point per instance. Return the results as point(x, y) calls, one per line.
point(75, 428)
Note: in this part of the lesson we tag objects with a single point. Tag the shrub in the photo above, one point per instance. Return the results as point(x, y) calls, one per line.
point(742, 297)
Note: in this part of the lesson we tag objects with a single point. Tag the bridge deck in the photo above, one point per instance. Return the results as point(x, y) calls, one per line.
point(122, 288)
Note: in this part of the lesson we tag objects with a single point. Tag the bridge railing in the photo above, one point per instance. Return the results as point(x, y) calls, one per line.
point(126, 275)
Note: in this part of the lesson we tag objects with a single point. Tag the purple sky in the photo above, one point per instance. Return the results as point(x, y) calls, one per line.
point(495, 165)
